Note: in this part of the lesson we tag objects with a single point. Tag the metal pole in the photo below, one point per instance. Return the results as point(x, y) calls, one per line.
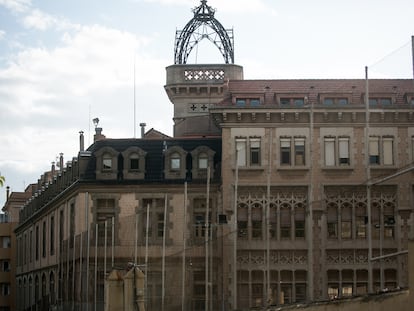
point(146, 254)
point(206, 234)
point(113, 242)
point(412, 53)
point(163, 252)
point(381, 219)
point(105, 246)
point(310, 217)
point(368, 176)
point(269, 173)
point(235, 232)
point(87, 248)
point(96, 264)
point(136, 239)
point(184, 247)
point(80, 267)
point(73, 272)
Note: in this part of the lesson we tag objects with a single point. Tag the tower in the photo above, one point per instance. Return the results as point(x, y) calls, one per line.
point(194, 88)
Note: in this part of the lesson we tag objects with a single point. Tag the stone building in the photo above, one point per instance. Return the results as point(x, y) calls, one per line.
point(271, 192)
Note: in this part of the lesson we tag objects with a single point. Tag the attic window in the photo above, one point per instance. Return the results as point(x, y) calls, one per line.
point(203, 160)
point(134, 161)
point(240, 102)
point(107, 161)
point(175, 161)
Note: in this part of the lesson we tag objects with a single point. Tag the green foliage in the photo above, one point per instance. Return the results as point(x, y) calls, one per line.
point(2, 180)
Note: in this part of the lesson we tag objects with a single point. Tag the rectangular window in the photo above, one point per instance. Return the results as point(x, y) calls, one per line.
point(332, 223)
point(285, 151)
point(344, 151)
point(328, 101)
point(374, 156)
point(107, 162)
point(387, 145)
point(52, 235)
point(240, 102)
point(242, 229)
point(285, 102)
point(381, 150)
point(254, 151)
point(134, 162)
point(299, 102)
point(160, 225)
point(299, 151)
point(285, 223)
point(256, 229)
point(37, 242)
point(299, 228)
point(343, 101)
point(199, 225)
point(44, 230)
point(346, 229)
point(175, 161)
point(360, 227)
point(61, 229)
point(337, 151)
point(329, 151)
point(31, 246)
point(104, 212)
point(241, 152)
point(254, 102)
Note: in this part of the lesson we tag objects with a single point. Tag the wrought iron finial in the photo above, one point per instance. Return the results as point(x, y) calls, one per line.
point(203, 25)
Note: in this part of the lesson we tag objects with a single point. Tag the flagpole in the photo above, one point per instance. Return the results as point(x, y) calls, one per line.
point(368, 176)
point(235, 232)
point(206, 234)
point(184, 247)
point(163, 252)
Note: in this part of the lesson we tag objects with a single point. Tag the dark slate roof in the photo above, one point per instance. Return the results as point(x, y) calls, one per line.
point(154, 161)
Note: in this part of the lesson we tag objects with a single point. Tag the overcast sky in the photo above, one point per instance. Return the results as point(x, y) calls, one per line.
point(65, 62)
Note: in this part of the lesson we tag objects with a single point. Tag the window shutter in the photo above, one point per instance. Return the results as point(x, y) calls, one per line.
point(344, 147)
point(241, 152)
point(388, 151)
point(373, 146)
point(329, 151)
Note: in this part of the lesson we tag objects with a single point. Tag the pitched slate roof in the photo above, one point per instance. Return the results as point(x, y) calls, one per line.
point(154, 161)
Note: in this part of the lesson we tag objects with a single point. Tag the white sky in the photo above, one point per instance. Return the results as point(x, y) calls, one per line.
point(63, 63)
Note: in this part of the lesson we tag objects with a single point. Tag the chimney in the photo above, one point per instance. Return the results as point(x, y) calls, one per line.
point(53, 169)
point(7, 192)
point(81, 141)
point(61, 161)
point(142, 125)
point(98, 134)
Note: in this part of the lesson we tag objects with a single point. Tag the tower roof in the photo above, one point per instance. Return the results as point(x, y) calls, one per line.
point(203, 26)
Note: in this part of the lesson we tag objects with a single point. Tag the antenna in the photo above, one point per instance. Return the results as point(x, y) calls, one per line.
point(135, 108)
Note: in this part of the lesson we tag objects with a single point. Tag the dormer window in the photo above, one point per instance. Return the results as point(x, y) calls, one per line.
point(175, 166)
point(203, 158)
point(134, 163)
point(175, 161)
point(106, 163)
